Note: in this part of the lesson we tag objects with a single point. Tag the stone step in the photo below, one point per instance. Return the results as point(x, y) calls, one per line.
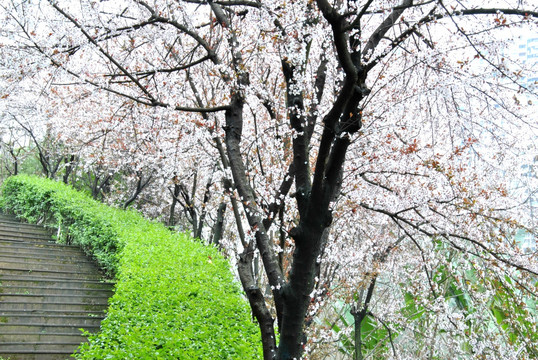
point(46, 246)
point(76, 321)
point(37, 355)
point(31, 338)
point(42, 290)
point(23, 227)
point(26, 254)
point(30, 241)
point(44, 265)
point(40, 253)
point(63, 306)
point(18, 235)
point(14, 222)
point(52, 312)
point(8, 230)
point(33, 332)
point(53, 298)
point(49, 274)
point(31, 280)
point(48, 292)
point(46, 329)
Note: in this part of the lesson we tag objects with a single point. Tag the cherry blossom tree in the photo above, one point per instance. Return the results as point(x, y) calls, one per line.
point(366, 148)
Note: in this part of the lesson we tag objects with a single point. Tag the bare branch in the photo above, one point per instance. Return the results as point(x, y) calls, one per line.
point(102, 51)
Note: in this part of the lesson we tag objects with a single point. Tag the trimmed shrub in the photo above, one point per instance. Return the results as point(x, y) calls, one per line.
point(174, 297)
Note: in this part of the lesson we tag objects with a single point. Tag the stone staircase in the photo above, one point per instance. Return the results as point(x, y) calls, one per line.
point(48, 292)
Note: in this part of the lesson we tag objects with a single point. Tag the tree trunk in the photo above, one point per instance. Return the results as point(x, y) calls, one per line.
point(219, 225)
point(175, 194)
point(296, 293)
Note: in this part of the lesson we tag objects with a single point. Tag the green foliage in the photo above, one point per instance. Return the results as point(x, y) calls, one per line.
point(344, 319)
point(81, 221)
point(174, 298)
point(506, 311)
point(513, 313)
point(374, 336)
point(30, 164)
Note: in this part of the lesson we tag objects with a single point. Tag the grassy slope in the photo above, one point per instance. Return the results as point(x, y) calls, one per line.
point(175, 298)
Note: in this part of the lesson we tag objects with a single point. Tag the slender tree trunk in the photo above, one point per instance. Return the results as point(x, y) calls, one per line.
point(15, 162)
point(219, 224)
point(207, 196)
point(140, 185)
point(175, 194)
point(68, 168)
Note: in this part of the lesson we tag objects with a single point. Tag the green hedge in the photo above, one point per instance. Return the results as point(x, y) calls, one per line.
point(174, 298)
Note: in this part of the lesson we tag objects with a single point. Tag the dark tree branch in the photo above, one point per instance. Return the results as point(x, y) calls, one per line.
point(382, 29)
point(184, 29)
point(492, 11)
point(431, 17)
point(447, 236)
point(246, 3)
point(140, 185)
point(166, 70)
point(359, 312)
point(102, 51)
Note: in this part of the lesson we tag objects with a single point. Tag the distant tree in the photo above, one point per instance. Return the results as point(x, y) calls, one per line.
point(13, 150)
